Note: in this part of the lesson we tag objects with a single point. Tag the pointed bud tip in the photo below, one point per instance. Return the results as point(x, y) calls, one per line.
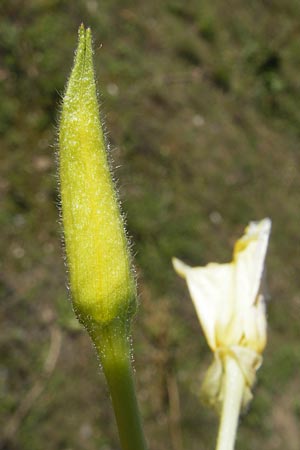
point(81, 30)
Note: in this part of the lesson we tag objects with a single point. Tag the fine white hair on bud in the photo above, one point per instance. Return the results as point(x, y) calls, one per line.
point(102, 284)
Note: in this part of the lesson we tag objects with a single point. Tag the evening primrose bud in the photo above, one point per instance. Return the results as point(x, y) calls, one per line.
point(101, 281)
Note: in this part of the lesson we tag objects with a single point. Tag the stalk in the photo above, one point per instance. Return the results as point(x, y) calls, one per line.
point(233, 391)
point(113, 348)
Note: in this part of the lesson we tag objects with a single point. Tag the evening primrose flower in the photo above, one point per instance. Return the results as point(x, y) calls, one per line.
point(231, 311)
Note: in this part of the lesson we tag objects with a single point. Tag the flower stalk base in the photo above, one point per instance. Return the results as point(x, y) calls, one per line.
point(234, 383)
point(113, 348)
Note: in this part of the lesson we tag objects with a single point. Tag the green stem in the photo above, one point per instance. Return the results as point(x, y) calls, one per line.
point(113, 348)
point(233, 391)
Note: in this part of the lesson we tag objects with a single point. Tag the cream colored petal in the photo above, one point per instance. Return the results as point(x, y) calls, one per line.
point(211, 289)
point(255, 325)
point(226, 295)
point(180, 267)
point(249, 362)
point(249, 257)
point(211, 390)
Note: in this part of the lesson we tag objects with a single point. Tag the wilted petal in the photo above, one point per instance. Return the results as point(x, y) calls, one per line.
point(255, 325)
point(210, 288)
point(231, 309)
point(249, 258)
point(211, 390)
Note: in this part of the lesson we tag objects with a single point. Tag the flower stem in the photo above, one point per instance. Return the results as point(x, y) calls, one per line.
point(113, 348)
point(233, 390)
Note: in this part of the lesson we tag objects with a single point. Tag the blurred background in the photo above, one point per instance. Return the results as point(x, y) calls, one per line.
point(201, 102)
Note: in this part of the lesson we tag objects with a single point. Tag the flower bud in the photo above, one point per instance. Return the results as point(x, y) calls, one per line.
point(101, 281)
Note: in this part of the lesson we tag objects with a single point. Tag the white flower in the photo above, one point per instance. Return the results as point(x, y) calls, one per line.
point(231, 308)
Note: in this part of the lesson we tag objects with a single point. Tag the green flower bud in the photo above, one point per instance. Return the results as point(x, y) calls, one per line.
point(101, 281)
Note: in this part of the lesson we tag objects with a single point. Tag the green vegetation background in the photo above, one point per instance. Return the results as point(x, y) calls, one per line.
point(201, 102)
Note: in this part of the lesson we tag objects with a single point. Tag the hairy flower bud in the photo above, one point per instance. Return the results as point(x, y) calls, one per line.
point(101, 281)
